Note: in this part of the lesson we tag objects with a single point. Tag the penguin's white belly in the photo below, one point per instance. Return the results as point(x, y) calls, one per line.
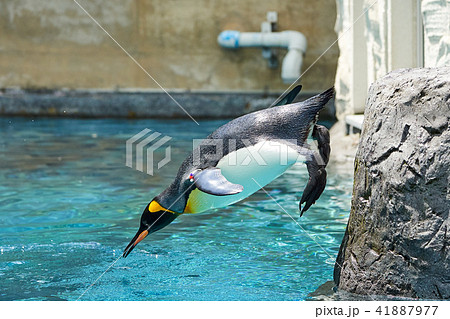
point(262, 162)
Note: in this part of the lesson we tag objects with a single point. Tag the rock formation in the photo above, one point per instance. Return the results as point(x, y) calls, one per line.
point(397, 237)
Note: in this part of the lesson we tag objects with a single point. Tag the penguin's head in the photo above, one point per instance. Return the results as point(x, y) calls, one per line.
point(154, 217)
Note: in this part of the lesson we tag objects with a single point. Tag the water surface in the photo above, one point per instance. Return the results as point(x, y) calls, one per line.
point(69, 206)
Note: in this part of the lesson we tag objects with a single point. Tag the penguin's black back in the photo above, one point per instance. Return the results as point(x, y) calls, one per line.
point(285, 121)
point(292, 121)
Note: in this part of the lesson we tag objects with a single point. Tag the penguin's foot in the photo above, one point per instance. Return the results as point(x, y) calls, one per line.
point(321, 134)
point(316, 168)
point(314, 188)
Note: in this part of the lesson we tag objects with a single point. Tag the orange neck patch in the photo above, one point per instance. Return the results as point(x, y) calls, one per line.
point(155, 207)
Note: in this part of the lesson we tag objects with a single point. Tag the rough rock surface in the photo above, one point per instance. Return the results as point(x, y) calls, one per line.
point(397, 237)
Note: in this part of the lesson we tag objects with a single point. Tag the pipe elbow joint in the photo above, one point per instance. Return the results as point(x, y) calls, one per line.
point(291, 67)
point(296, 40)
point(292, 62)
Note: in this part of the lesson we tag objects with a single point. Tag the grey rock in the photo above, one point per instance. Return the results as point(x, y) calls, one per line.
point(328, 292)
point(397, 237)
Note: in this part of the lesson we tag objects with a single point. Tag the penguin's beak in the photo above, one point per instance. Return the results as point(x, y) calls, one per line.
point(140, 235)
point(151, 220)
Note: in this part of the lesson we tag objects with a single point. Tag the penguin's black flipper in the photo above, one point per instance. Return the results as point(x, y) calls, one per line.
point(316, 168)
point(288, 98)
point(211, 181)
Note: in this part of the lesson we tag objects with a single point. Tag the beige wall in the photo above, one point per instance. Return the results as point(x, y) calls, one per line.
point(54, 44)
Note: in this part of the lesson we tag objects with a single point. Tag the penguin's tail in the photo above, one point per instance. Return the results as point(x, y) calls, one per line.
point(316, 103)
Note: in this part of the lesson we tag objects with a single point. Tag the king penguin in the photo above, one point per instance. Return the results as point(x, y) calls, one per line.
point(241, 157)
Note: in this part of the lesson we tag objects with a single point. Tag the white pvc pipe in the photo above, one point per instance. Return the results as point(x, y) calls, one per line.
point(294, 41)
point(292, 65)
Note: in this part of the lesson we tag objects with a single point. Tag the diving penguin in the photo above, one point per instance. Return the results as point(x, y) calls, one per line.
point(241, 157)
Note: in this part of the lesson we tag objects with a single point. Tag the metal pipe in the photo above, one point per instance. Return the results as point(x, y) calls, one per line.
point(294, 41)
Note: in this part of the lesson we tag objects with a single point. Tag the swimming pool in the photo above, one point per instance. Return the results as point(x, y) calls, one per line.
point(69, 206)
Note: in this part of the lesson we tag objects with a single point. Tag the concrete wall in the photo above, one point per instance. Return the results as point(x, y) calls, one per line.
point(54, 44)
point(389, 35)
point(436, 17)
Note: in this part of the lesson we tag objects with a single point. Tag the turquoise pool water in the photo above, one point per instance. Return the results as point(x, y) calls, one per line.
point(69, 206)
